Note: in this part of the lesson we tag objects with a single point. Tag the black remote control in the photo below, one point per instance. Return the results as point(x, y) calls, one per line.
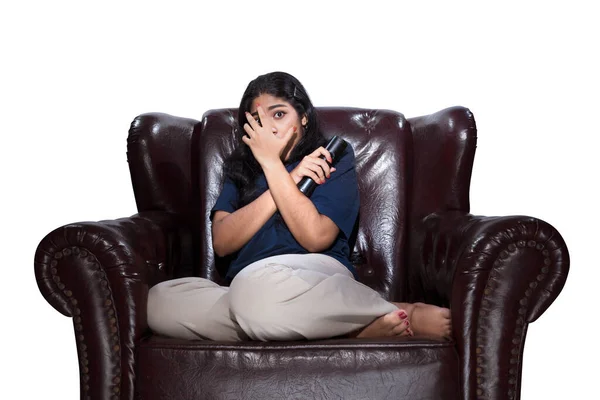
point(336, 147)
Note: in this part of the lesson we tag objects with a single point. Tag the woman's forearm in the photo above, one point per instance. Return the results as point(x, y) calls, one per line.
point(236, 229)
point(299, 213)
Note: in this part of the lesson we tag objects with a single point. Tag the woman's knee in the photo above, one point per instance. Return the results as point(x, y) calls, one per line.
point(254, 295)
point(157, 309)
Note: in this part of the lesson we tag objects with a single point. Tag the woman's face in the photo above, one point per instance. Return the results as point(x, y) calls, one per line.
point(281, 116)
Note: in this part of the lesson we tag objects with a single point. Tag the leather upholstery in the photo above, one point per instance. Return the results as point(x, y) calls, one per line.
point(415, 240)
point(328, 369)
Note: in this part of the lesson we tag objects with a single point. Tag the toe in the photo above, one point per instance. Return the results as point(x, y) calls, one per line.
point(445, 313)
point(401, 328)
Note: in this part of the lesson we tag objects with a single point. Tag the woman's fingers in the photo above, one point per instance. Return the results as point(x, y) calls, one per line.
point(261, 113)
point(253, 123)
point(323, 151)
point(249, 130)
point(324, 166)
point(314, 165)
point(310, 173)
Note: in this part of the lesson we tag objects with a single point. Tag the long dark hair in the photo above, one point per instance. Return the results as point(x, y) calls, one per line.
point(241, 166)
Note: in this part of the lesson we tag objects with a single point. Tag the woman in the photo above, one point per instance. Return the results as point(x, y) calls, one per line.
point(291, 278)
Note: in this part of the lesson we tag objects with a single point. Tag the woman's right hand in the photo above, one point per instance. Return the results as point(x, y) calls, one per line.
point(313, 167)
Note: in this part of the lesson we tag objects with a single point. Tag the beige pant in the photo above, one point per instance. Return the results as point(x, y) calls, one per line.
point(285, 297)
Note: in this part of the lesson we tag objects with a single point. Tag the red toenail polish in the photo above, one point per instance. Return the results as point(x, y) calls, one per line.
point(406, 322)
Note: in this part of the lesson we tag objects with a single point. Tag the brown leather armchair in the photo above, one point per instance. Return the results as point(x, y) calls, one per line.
point(415, 241)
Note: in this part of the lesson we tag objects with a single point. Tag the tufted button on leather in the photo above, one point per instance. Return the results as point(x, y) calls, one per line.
point(531, 243)
point(539, 246)
point(53, 263)
point(66, 252)
point(545, 270)
point(521, 243)
point(545, 253)
point(547, 261)
point(512, 247)
point(58, 255)
point(533, 285)
point(75, 250)
point(83, 253)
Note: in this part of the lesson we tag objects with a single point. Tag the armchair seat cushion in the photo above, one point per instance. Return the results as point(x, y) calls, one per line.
point(405, 368)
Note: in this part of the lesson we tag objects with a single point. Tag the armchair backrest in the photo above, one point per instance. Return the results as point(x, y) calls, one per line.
point(176, 166)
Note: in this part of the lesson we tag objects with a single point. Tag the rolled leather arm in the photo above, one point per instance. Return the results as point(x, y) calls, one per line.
point(99, 273)
point(497, 274)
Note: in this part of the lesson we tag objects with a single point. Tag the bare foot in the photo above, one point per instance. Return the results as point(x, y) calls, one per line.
point(428, 320)
point(395, 323)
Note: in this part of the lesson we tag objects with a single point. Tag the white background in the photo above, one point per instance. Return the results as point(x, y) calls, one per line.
point(74, 75)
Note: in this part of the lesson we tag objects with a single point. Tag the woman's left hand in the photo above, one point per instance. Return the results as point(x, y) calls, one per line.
point(266, 147)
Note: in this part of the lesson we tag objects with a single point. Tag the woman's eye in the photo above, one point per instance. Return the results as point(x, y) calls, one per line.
point(279, 114)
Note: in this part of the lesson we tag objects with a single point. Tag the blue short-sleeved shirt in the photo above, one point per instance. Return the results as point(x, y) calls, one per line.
point(337, 198)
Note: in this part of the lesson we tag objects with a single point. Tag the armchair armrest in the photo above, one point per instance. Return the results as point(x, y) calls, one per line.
point(99, 273)
point(498, 274)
